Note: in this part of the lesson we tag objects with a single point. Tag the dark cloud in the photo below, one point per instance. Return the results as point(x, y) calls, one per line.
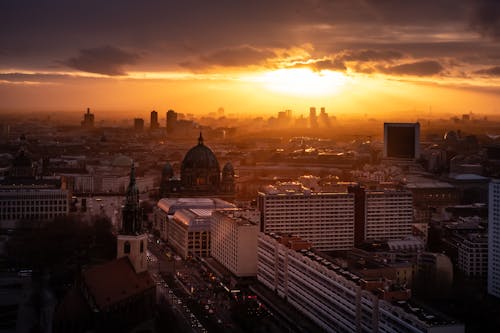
point(106, 60)
point(370, 55)
point(21, 77)
point(331, 64)
point(491, 71)
point(419, 68)
point(485, 17)
point(239, 56)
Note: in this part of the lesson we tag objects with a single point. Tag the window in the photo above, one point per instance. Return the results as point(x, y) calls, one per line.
point(126, 247)
point(142, 247)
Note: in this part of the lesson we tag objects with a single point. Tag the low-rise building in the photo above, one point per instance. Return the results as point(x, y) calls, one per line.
point(189, 232)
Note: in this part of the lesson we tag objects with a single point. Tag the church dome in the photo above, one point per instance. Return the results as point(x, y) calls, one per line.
point(200, 169)
point(167, 170)
point(200, 157)
point(228, 170)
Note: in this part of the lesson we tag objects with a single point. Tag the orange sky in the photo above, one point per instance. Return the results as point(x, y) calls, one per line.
point(251, 57)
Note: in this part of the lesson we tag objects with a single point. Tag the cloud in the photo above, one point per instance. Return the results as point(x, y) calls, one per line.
point(485, 17)
point(370, 55)
point(238, 56)
point(491, 71)
point(419, 68)
point(106, 60)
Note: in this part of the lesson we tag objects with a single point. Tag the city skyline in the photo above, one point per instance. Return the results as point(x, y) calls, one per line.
point(251, 58)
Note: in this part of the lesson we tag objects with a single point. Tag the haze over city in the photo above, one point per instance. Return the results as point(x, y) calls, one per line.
point(254, 166)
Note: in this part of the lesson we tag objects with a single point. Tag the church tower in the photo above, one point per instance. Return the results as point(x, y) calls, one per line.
point(132, 241)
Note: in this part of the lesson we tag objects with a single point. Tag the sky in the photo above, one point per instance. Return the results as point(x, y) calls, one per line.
point(251, 57)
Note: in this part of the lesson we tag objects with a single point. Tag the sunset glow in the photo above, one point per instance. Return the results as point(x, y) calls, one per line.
point(302, 81)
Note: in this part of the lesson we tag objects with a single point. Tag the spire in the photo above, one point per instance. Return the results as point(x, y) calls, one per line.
point(200, 139)
point(131, 224)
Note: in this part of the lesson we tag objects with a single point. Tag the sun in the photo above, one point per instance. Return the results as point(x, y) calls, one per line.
point(303, 81)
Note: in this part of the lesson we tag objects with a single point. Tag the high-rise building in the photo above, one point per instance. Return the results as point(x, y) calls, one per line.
point(88, 119)
point(153, 124)
point(494, 239)
point(234, 240)
point(171, 121)
point(138, 124)
point(402, 140)
point(313, 117)
point(339, 300)
point(322, 218)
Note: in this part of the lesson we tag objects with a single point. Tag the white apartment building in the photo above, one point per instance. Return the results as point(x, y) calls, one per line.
point(20, 202)
point(324, 219)
point(473, 255)
point(494, 239)
point(336, 299)
point(388, 214)
point(234, 240)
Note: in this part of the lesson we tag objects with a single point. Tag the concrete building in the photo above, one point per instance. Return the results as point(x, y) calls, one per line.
point(324, 219)
point(494, 239)
point(402, 141)
point(31, 202)
point(473, 255)
point(153, 122)
point(388, 214)
point(336, 299)
point(189, 232)
point(234, 240)
point(166, 209)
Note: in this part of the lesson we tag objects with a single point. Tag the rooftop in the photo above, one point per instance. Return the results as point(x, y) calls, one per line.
point(115, 281)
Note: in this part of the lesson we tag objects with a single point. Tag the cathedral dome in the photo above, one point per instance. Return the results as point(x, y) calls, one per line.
point(200, 157)
point(200, 169)
point(167, 171)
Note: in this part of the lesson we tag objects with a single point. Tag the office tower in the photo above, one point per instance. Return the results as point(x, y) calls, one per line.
point(402, 140)
point(234, 240)
point(336, 299)
point(494, 239)
point(88, 119)
point(138, 124)
point(313, 118)
point(171, 121)
point(153, 123)
point(322, 218)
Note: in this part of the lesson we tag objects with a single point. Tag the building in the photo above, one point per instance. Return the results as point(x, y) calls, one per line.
point(171, 121)
point(166, 208)
point(153, 123)
point(402, 141)
point(494, 239)
point(138, 124)
point(200, 175)
point(325, 219)
point(337, 299)
point(234, 240)
point(473, 255)
point(388, 214)
point(88, 120)
point(24, 197)
point(118, 295)
point(189, 232)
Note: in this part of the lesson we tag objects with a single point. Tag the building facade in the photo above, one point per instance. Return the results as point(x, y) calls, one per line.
point(324, 219)
point(473, 255)
point(189, 232)
point(388, 214)
point(494, 239)
point(336, 299)
point(234, 240)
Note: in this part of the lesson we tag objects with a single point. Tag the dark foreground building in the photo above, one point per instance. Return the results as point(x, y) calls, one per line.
point(120, 294)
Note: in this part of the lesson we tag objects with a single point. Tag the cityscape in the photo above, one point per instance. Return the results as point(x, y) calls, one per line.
point(283, 166)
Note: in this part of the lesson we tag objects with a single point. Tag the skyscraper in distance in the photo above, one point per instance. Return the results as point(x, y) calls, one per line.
point(153, 124)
